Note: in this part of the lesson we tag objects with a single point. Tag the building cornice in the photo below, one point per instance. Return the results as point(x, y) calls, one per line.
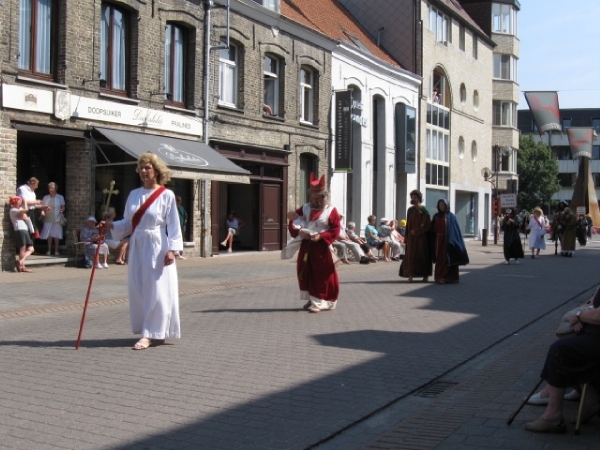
point(352, 53)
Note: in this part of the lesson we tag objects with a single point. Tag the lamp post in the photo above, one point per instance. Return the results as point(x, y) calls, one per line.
point(492, 178)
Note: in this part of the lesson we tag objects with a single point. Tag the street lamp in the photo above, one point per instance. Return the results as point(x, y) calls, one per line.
point(492, 178)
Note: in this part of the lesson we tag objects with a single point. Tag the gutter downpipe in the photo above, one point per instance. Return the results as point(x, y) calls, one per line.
point(203, 197)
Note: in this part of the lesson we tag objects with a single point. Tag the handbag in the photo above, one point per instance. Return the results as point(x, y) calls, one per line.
point(63, 221)
point(564, 326)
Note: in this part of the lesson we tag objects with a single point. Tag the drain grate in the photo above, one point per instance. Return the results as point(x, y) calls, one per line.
point(436, 389)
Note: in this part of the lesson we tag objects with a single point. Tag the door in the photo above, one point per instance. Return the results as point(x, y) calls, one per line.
point(270, 217)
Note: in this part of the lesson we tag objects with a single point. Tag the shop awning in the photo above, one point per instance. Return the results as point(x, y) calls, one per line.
point(186, 159)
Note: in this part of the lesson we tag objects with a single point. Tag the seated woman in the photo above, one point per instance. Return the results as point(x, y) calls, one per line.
point(387, 231)
point(90, 235)
point(351, 232)
point(572, 361)
point(374, 240)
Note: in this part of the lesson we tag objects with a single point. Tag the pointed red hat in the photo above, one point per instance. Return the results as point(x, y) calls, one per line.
point(317, 185)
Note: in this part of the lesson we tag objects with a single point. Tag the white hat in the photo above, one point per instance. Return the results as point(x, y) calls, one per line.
point(92, 218)
point(383, 220)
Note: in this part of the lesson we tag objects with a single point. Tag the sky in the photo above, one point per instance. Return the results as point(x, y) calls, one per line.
point(560, 50)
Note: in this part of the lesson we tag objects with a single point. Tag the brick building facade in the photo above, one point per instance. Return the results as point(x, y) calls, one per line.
point(76, 73)
point(73, 68)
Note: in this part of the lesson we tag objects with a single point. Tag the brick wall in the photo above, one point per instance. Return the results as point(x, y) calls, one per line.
point(8, 186)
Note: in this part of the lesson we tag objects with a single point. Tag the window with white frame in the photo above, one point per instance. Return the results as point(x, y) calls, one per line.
point(505, 67)
point(228, 74)
point(438, 24)
point(504, 114)
point(37, 22)
point(504, 19)
point(271, 85)
point(175, 55)
point(306, 95)
point(114, 48)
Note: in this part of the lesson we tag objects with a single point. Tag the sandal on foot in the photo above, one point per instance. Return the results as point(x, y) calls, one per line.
point(547, 426)
point(307, 305)
point(142, 344)
point(314, 309)
point(25, 269)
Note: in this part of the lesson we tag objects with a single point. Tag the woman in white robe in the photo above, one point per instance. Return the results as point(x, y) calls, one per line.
point(152, 274)
point(537, 227)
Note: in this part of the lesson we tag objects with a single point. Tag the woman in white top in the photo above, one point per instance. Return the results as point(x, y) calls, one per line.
point(53, 228)
point(23, 230)
point(537, 227)
point(233, 226)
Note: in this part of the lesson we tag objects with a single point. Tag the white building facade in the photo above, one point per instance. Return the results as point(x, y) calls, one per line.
point(381, 93)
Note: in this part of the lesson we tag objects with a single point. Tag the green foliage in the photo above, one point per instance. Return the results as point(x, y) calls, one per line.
point(538, 174)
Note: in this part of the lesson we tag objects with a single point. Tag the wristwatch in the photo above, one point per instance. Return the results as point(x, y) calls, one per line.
point(579, 316)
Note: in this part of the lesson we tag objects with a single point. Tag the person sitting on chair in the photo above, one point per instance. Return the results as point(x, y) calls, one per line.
point(90, 235)
point(571, 361)
point(233, 226)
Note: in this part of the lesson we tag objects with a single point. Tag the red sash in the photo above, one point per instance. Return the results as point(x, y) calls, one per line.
point(135, 220)
point(538, 222)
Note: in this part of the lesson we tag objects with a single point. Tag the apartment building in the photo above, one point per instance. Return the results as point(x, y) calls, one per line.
point(559, 143)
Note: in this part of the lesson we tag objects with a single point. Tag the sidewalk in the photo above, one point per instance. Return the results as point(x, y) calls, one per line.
point(396, 365)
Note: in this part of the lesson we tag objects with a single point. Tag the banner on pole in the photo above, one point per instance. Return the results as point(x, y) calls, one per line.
point(580, 140)
point(343, 131)
point(544, 107)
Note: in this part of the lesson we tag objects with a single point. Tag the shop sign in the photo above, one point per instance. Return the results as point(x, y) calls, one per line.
point(105, 111)
point(27, 99)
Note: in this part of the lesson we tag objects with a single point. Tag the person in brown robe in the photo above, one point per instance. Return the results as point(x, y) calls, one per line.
point(417, 258)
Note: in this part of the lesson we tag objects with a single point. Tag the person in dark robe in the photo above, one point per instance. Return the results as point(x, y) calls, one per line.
point(449, 249)
point(317, 277)
point(417, 260)
point(555, 226)
point(568, 223)
point(581, 227)
point(512, 239)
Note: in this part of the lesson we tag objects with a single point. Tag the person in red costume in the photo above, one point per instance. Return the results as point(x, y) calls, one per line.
point(317, 277)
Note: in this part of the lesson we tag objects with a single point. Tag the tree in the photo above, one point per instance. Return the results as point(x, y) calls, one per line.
point(538, 173)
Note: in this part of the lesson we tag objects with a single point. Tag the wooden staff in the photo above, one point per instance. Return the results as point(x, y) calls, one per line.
point(89, 290)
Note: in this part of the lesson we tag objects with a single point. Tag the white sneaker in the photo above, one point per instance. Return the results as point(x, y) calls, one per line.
point(105, 265)
point(506, 263)
point(99, 266)
point(517, 262)
point(535, 399)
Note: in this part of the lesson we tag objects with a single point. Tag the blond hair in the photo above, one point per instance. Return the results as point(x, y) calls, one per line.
point(163, 174)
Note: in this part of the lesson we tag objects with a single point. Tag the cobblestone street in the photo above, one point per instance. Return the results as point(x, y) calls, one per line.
point(255, 371)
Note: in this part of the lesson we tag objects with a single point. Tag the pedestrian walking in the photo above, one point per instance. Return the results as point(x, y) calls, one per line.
point(317, 277)
point(513, 249)
point(152, 221)
point(537, 228)
point(417, 260)
point(449, 248)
